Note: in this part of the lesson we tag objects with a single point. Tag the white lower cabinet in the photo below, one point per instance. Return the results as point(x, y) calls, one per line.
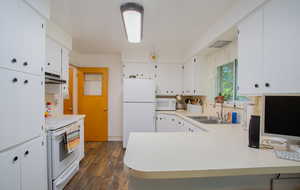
point(10, 170)
point(24, 167)
point(21, 98)
point(34, 165)
point(172, 123)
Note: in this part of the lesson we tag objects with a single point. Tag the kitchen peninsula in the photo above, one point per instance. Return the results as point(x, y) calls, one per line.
point(216, 158)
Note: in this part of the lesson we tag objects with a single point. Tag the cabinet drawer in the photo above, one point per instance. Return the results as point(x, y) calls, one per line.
point(22, 101)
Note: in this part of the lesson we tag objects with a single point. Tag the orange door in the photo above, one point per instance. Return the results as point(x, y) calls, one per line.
point(92, 102)
point(68, 102)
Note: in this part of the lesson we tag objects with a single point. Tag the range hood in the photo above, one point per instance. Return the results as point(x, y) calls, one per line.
point(51, 78)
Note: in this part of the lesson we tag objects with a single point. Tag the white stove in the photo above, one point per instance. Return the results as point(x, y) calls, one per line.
point(62, 166)
point(53, 123)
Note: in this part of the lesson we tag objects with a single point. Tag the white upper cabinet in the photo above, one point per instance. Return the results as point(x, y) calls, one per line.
point(194, 77)
point(268, 49)
point(33, 41)
point(281, 46)
point(42, 6)
point(169, 79)
point(22, 51)
point(188, 78)
point(65, 71)
point(139, 70)
point(53, 56)
point(250, 54)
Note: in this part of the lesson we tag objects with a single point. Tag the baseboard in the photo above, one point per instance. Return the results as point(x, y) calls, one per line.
point(115, 138)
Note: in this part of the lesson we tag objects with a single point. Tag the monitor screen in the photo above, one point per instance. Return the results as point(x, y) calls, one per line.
point(282, 115)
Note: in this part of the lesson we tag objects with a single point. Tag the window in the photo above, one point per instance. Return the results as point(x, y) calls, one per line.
point(227, 82)
point(92, 84)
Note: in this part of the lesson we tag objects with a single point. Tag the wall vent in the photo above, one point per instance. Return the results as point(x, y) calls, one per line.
point(220, 44)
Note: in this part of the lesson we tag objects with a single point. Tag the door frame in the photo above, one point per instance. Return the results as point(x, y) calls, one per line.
point(105, 91)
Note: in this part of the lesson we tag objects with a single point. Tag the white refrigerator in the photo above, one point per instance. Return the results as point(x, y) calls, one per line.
point(138, 107)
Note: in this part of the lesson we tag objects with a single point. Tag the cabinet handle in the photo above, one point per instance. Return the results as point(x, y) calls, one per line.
point(26, 81)
point(25, 63)
point(48, 63)
point(15, 159)
point(167, 92)
point(26, 153)
point(256, 85)
point(267, 84)
point(14, 60)
point(15, 80)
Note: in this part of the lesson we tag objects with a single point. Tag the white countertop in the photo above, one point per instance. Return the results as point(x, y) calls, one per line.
point(220, 151)
point(53, 123)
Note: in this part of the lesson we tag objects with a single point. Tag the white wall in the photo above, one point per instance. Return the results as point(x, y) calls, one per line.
point(113, 63)
point(59, 35)
point(213, 60)
point(231, 18)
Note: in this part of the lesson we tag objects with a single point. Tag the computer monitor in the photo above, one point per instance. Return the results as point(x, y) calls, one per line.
point(281, 116)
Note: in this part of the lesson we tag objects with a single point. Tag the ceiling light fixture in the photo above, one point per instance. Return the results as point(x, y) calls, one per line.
point(132, 16)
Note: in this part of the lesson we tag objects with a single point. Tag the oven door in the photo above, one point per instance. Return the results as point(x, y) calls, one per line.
point(60, 157)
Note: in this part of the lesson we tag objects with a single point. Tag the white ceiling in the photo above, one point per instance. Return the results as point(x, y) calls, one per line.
point(170, 26)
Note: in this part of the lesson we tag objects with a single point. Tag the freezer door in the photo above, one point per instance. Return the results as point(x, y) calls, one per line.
point(138, 117)
point(138, 90)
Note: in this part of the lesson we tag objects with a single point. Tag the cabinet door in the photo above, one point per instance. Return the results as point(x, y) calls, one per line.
point(53, 56)
point(22, 96)
point(65, 72)
point(180, 124)
point(32, 106)
point(10, 170)
point(9, 34)
point(11, 103)
point(33, 34)
point(200, 77)
point(33, 165)
point(188, 79)
point(281, 46)
point(250, 54)
point(161, 123)
point(139, 70)
point(169, 79)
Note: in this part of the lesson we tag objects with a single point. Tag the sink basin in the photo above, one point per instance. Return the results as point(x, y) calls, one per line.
point(206, 120)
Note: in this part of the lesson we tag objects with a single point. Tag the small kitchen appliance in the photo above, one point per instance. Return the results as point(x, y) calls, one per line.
point(166, 104)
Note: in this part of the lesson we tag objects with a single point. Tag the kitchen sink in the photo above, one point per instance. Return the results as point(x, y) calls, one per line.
point(206, 120)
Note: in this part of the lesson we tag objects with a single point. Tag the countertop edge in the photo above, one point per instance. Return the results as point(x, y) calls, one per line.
point(211, 173)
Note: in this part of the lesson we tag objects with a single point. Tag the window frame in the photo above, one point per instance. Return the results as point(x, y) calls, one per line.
point(235, 95)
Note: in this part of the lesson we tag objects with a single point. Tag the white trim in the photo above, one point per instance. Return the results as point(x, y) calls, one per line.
point(115, 138)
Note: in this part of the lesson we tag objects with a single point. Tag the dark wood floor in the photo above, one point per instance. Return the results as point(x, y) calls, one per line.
point(101, 169)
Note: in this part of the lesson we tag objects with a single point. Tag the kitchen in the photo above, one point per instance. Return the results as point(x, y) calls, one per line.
point(184, 103)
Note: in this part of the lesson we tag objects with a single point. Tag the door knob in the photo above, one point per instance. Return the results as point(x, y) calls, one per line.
point(70, 109)
point(105, 109)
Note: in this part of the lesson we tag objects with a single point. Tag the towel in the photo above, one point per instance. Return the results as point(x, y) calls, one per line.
point(72, 137)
